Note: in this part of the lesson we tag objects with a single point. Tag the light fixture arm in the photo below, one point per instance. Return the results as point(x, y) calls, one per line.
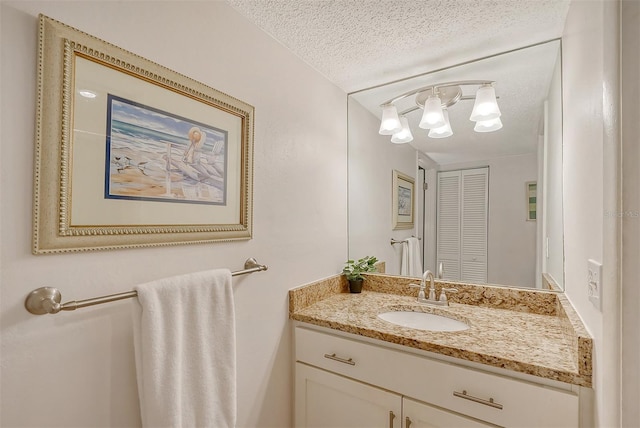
point(435, 87)
point(409, 110)
point(412, 109)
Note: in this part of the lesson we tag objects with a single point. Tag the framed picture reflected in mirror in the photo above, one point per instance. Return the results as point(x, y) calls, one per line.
point(403, 200)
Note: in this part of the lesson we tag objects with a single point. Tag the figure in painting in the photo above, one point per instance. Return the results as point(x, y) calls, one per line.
point(197, 139)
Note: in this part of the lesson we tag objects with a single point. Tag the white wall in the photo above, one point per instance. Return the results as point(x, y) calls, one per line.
point(372, 159)
point(552, 205)
point(511, 239)
point(631, 208)
point(430, 211)
point(587, 67)
point(540, 232)
point(77, 369)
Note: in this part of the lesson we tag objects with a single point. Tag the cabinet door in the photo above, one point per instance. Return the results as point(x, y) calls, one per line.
point(324, 399)
point(421, 415)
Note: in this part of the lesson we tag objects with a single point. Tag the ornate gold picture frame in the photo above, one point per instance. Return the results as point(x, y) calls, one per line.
point(131, 154)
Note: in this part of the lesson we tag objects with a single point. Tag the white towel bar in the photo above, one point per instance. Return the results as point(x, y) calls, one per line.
point(395, 241)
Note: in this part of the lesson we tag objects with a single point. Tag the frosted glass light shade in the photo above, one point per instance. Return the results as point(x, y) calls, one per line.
point(390, 123)
point(486, 106)
point(432, 117)
point(443, 131)
point(488, 125)
point(404, 135)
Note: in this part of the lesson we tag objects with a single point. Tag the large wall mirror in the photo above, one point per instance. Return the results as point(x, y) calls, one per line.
point(485, 205)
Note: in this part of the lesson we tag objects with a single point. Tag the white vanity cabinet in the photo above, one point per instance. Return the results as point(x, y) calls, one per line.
point(345, 382)
point(330, 400)
point(420, 415)
point(324, 399)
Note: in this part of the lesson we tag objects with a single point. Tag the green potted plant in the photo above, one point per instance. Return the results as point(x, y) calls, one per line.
point(353, 270)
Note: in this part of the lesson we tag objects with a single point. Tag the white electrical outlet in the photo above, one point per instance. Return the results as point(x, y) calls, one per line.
point(546, 247)
point(594, 283)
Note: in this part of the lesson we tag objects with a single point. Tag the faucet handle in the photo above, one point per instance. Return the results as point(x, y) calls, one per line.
point(440, 270)
point(443, 296)
point(421, 295)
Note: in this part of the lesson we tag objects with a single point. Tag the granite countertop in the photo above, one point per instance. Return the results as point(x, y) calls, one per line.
point(527, 331)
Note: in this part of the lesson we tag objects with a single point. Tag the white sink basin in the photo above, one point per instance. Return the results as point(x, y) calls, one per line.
point(423, 321)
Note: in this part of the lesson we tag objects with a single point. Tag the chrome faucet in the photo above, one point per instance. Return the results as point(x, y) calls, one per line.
point(432, 288)
point(432, 300)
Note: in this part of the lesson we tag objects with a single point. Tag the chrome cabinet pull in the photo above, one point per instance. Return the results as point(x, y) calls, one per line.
point(391, 418)
point(341, 360)
point(407, 422)
point(466, 396)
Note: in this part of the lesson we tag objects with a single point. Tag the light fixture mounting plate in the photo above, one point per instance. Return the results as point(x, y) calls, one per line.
point(449, 95)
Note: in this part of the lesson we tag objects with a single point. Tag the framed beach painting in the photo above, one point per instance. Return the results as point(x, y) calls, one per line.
point(132, 154)
point(402, 200)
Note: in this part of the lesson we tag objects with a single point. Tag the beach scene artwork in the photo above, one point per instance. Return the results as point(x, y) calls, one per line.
point(404, 201)
point(153, 155)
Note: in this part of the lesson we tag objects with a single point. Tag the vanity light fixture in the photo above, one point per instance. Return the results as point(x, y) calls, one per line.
point(488, 125)
point(435, 100)
point(443, 131)
point(486, 106)
point(390, 123)
point(404, 135)
point(432, 116)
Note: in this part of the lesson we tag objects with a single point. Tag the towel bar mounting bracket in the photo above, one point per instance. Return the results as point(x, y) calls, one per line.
point(42, 300)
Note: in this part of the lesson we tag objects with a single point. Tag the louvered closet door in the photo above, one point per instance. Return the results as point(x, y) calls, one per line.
point(448, 224)
point(473, 244)
point(462, 224)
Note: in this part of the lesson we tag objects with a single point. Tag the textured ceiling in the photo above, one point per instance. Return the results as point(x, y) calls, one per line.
point(361, 43)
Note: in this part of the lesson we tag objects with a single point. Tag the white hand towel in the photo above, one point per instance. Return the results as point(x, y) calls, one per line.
point(184, 337)
point(404, 258)
point(411, 264)
point(415, 257)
